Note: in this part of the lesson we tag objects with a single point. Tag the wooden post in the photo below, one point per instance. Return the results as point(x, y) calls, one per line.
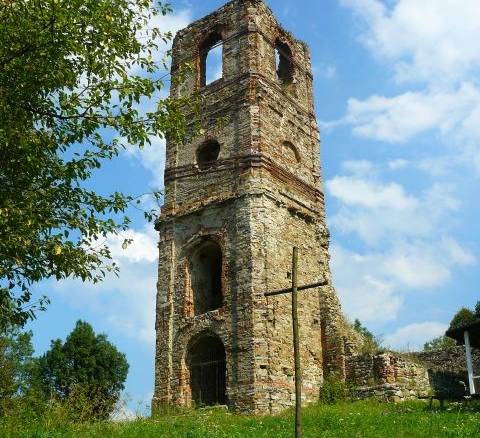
point(296, 335)
point(468, 352)
point(296, 348)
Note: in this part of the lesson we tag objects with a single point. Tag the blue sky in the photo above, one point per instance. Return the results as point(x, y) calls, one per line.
point(397, 96)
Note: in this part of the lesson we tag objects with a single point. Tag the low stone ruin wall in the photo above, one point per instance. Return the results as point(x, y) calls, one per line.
point(447, 370)
point(396, 377)
point(387, 377)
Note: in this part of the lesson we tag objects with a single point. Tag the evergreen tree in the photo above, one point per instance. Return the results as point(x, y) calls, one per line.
point(462, 318)
point(85, 364)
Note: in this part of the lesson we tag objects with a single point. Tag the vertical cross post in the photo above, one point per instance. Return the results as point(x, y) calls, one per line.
point(296, 334)
point(468, 351)
point(296, 348)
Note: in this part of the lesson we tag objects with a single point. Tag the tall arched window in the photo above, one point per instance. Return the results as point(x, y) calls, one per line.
point(206, 277)
point(284, 62)
point(211, 59)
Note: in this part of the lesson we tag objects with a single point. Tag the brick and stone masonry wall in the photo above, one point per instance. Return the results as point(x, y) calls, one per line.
point(261, 197)
point(447, 369)
point(387, 377)
point(395, 377)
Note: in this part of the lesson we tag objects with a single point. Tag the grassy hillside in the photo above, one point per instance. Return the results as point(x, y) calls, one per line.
point(360, 419)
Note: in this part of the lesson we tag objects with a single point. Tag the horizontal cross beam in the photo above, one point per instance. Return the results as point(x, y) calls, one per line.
point(299, 288)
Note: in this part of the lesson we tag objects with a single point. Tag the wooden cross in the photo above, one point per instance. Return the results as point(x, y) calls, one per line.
point(296, 336)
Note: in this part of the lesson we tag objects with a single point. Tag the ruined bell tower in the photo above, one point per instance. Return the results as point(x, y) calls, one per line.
point(238, 197)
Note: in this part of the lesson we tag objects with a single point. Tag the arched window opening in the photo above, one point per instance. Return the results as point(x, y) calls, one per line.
point(206, 277)
point(211, 59)
point(290, 152)
point(283, 63)
point(207, 153)
point(207, 365)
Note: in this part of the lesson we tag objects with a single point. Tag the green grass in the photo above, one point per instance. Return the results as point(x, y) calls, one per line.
point(359, 419)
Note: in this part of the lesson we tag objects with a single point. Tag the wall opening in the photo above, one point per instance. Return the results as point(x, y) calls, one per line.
point(283, 62)
point(207, 154)
point(206, 277)
point(207, 365)
point(211, 59)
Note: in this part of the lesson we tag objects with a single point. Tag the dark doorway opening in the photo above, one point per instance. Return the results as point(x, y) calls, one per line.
point(207, 365)
point(206, 275)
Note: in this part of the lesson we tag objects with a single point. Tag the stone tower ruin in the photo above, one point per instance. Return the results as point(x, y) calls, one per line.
point(238, 197)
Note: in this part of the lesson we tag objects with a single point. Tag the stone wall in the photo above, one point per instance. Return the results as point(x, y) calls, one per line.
point(447, 369)
point(387, 377)
point(395, 377)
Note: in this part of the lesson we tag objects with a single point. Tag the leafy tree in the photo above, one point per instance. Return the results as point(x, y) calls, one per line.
point(16, 366)
point(372, 343)
point(462, 318)
point(70, 91)
point(86, 364)
point(477, 310)
point(440, 343)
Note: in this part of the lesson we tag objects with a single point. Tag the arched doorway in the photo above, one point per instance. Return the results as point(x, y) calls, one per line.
point(206, 361)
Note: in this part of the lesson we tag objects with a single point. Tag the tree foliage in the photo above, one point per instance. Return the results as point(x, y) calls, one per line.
point(72, 76)
point(440, 343)
point(371, 343)
point(16, 366)
point(85, 364)
point(462, 318)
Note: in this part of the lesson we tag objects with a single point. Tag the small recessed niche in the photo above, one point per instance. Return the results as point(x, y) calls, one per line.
point(290, 152)
point(207, 154)
point(284, 63)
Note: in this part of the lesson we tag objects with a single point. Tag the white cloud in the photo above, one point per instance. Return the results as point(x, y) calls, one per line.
point(169, 23)
point(457, 254)
point(374, 283)
point(413, 336)
point(378, 211)
point(142, 249)
point(152, 158)
point(363, 294)
point(397, 164)
point(434, 42)
point(327, 71)
point(400, 118)
point(358, 167)
point(353, 190)
point(127, 302)
point(429, 40)
point(405, 239)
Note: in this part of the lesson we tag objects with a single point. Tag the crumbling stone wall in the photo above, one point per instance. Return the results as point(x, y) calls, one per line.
point(447, 369)
point(259, 198)
point(387, 377)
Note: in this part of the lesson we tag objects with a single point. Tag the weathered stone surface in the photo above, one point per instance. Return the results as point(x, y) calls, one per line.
point(262, 196)
point(387, 376)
